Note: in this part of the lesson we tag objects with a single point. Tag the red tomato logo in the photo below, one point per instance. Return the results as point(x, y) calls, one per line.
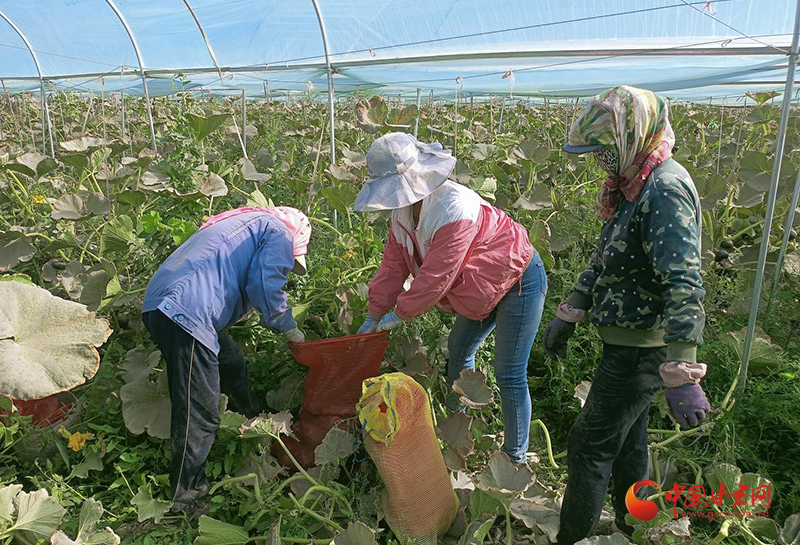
point(641, 509)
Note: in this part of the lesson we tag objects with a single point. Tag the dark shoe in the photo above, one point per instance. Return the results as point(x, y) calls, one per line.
point(197, 509)
point(622, 527)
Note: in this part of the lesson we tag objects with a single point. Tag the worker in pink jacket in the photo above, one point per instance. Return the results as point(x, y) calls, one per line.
point(466, 257)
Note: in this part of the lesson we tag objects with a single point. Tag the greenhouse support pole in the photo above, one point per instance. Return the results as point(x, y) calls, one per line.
point(773, 189)
point(136, 50)
point(122, 100)
point(244, 118)
point(205, 38)
point(419, 101)
point(330, 91)
point(787, 229)
point(46, 128)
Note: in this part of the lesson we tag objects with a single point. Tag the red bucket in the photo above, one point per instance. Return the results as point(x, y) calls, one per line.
point(337, 367)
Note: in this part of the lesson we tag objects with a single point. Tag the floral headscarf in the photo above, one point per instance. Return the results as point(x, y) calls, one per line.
point(295, 221)
point(633, 123)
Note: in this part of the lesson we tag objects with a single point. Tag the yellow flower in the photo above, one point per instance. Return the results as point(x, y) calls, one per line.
point(78, 440)
point(349, 254)
point(39, 199)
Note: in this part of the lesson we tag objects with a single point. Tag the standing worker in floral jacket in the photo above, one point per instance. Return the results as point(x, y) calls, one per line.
point(644, 293)
point(467, 257)
point(237, 261)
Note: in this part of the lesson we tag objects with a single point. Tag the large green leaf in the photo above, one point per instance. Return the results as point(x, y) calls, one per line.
point(370, 114)
point(356, 533)
point(340, 197)
point(471, 385)
point(213, 186)
point(146, 406)
point(88, 534)
point(267, 425)
point(69, 207)
point(216, 532)
point(477, 530)
point(538, 198)
point(203, 126)
point(790, 533)
point(85, 143)
point(37, 514)
point(15, 247)
point(117, 235)
point(47, 344)
point(541, 514)
point(148, 507)
point(250, 173)
point(765, 356)
point(337, 445)
point(504, 480)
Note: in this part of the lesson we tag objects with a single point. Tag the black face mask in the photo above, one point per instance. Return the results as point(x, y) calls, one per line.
point(606, 158)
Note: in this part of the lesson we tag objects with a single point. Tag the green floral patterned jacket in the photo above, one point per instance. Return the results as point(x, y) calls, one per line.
point(643, 282)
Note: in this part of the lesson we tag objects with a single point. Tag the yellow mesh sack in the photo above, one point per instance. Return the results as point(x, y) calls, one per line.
point(418, 500)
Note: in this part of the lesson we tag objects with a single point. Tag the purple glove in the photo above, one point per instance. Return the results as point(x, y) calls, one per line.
point(688, 404)
point(555, 338)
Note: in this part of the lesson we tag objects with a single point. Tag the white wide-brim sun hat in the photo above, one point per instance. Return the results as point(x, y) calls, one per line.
point(402, 171)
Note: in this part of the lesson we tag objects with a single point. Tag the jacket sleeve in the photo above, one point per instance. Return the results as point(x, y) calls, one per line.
point(442, 264)
point(582, 290)
point(670, 227)
point(267, 277)
point(388, 282)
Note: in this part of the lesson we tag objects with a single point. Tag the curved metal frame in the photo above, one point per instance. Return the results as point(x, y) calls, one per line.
point(772, 196)
point(329, 69)
point(122, 20)
point(205, 38)
point(46, 127)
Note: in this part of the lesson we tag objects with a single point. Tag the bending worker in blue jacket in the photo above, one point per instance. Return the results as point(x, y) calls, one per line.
point(237, 261)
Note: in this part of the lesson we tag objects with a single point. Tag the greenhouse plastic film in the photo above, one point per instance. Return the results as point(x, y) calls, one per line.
point(337, 368)
point(419, 501)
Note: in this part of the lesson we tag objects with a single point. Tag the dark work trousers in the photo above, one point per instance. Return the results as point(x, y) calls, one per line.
point(609, 438)
point(196, 376)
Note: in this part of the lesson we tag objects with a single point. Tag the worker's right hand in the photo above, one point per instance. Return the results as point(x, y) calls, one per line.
point(556, 336)
point(369, 326)
point(294, 335)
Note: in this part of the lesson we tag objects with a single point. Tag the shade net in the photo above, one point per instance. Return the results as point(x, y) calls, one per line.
point(336, 369)
point(418, 500)
point(686, 49)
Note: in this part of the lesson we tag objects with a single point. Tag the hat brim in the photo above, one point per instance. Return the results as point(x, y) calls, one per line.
point(569, 148)
point(300, 265)
point(431, 171)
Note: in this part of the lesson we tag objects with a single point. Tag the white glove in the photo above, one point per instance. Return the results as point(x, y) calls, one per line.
point(369, 326)
point(388, 322)
point(294, 335)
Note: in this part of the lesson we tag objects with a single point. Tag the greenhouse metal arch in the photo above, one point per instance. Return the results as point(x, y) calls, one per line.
point(723, 48)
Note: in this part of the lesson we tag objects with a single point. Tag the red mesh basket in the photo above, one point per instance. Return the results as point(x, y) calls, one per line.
point(337, 367)
point(45, 411)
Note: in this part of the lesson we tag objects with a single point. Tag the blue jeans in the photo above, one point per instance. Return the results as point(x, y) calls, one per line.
point(516, 318)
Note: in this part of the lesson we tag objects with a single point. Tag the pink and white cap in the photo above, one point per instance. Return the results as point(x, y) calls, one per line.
point(292, 218)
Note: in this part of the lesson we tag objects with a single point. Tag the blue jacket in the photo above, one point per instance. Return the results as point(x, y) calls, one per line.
point(223, 271)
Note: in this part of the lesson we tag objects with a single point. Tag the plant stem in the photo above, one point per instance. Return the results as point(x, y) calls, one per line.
point(232, 480)
point(509, 532)
point(550, 457)
point(326, 224)
point(315, 515)
point(722, 534)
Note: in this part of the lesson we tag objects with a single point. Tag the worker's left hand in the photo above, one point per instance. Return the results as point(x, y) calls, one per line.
point(389, 321)
point(294, 335)
point(687, 404)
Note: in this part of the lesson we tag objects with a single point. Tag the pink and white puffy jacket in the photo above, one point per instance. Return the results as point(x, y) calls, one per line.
point(465, 255)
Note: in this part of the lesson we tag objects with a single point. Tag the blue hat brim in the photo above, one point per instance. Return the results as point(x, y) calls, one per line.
point(569, 148)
